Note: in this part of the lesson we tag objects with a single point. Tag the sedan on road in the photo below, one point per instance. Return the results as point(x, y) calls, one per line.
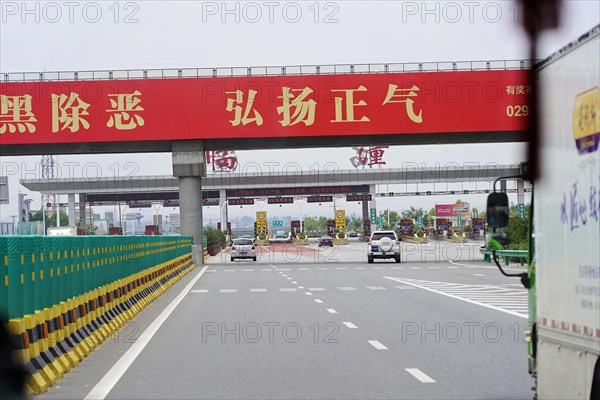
point(243, 248)
point(325, 240)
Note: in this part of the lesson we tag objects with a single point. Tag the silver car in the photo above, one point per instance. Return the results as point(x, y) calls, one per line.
point(243, 248)
point(383, 244)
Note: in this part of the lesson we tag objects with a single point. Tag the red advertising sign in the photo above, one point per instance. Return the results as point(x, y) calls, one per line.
point(263, 107)
point(453, 210)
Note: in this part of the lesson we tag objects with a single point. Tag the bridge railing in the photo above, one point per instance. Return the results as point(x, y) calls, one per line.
point(522, 255)
point(327, 69)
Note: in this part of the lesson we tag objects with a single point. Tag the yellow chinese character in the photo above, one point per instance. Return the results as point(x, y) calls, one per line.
point(238, 117)
point(16, 114)
point(394, 92)
point(510, 90)
point(69, 111)
point(339, 114)
point(304, 110)
point(520, 89)
point(123, 108)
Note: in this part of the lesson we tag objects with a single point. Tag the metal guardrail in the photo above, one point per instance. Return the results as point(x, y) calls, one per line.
point(522, 255)
point(328, 69)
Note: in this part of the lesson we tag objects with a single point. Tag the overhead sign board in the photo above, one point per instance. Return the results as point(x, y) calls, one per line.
point(319, 199)
point(453, 210)
point(264, 107)
point(280, 200)
point(240, 202)
point(297, 191)
point(277, 223)
point(358, 197)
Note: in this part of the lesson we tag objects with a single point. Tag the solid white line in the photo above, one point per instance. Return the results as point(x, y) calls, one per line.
point(457, 298)
point(228, 291)
point(420, 375)
point(289, 289)
point(377, 345)
point(331, 311)
point(375, 288)
point(319, 301)
point(350, 325)
point(479, 274)
point(258, 290)
point(346, 288)
point(199, 291)
point(105, 385)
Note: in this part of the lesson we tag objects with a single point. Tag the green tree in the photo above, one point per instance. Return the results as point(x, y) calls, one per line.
point(414, 213)
point(51, 219)
point(354, 224)
point(214, 237)
point(394, 216)
point(517, 230)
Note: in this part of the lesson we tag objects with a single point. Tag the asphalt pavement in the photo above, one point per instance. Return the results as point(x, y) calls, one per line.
point(310, 323)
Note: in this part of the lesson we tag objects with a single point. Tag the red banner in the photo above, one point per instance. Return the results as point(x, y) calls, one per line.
point(453, 210)
point(263, 107)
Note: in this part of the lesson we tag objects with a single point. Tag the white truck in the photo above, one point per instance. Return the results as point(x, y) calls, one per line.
point(564, 270)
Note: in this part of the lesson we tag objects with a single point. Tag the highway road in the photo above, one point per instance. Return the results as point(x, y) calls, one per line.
point(322, 325)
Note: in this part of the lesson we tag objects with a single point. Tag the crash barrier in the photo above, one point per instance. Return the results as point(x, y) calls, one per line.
point(65, 295)
point(262, 239)
point(301, 239)
point(522, 255)
point(415, 238)
point(340, 239)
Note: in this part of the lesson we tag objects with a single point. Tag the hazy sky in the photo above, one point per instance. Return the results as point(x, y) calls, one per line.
point(82, 35)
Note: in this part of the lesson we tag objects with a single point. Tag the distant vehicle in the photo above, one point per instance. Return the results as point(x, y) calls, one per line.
point(383, 244)
point(243, 248)
point(352, 234)
point(325, 240)
point(281, 235)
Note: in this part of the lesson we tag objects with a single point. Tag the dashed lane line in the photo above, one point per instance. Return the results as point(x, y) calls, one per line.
point(350, 325)
point(331, 311)
point(318, 301)
point(377, 344)
point(420, 375)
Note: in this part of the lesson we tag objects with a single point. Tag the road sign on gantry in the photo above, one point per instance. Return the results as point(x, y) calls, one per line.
point(261, 221)
point(340, 220)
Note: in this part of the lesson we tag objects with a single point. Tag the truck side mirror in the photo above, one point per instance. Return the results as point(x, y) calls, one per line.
point(497, 210)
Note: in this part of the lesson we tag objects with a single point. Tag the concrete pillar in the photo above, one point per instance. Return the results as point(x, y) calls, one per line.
point(71, 209)
point(189, 167)
point(82, 216)
point(520, 192)
point(223, 209)
point(365, 210)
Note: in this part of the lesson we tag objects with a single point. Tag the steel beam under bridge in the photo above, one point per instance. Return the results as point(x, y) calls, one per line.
point(235, 182)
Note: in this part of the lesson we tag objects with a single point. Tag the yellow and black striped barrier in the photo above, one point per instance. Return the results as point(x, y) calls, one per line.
point(65, 297)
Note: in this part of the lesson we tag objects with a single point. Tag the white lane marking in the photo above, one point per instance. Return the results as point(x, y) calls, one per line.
point(433, 267)
point(479, 274)
point(420, 375)
point(288, 278)
point(457, 297)
point(397, 267)
point(415, 267)
point(211, 270)
point(112, 377)
point(345, 288)
point(331, 311)
point(308, 293)
point(316, 289)
point(376, 288)
point(404, 287)
point(377, 268)
point(341, 268)
point(266, 269)
point(452, 267)
point(319, 301)
point(303, 269)
point(280, 272)
point(248, 270)
point(359, 267)
point(258, 290)
point(228, 291)
point(229, 270)
point(350, 325)
point(377, 345)
point(285, 269)
point(487, 267)
point(287, 289)
point(322, 269)
point(300, 287)
point(199, 291)
point(294, 282)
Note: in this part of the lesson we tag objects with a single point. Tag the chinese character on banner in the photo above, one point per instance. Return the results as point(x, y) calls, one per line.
point(368, 156)
point(395, 95)
point(222, 160)
point(124, 111)
point(16, 114)
point(243, 115)
point(68, 112)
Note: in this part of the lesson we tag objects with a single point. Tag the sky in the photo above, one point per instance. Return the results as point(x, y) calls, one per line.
point(83, 35)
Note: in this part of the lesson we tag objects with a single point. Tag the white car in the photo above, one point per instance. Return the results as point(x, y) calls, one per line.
point(383, 244)
point(243, 248)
